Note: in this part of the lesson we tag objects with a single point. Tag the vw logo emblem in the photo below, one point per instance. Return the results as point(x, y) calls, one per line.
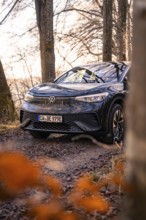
point(51, 99)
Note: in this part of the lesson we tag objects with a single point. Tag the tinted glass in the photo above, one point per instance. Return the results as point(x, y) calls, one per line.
point(110, 72)
point(101, 73)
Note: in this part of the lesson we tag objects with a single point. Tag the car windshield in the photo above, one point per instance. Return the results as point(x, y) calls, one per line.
point(99, 73)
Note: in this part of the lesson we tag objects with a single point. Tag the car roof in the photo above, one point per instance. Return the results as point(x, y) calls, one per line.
point(93, 67)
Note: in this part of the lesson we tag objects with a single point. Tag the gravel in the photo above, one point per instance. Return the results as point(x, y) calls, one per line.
point(66, 160)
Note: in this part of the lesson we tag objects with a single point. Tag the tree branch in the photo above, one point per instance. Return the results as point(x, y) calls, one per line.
point(15, 3)
point(78, 10)
point(29, 30)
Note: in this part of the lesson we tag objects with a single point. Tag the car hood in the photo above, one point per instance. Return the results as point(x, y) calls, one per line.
point(52, 89)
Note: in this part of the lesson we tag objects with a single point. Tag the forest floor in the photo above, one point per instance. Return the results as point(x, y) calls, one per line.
point(67, 161)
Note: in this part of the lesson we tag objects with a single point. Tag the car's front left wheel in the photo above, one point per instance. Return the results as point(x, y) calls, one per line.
point(39, 135)
point(115, 125)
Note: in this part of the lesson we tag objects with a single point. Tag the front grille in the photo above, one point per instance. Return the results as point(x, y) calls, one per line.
point(46, 101)
point(52, 126)
point(68, 124)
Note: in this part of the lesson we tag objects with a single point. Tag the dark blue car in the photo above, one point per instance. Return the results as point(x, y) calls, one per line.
point(87, 99)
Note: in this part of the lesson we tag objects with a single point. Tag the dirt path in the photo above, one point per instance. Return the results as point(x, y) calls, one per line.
point(64, 158)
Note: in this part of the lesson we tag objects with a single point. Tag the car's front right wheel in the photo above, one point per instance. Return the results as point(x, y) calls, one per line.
point(39, 135)
point(115, 125)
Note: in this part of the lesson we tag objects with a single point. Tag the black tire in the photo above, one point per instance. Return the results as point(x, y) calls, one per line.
point(115, 125)
point(39, 135)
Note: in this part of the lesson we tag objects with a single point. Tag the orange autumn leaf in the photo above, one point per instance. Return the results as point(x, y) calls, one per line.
point(17, 172)
point(75, 197)
point(118, 179)
point(93, 203)
point(53, 210)
point(119, 165)
point(85, 184)
point(54, 185)
point(69, 216)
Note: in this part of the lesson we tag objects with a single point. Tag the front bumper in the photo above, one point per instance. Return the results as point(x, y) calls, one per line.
point(72, 123)
point(78, 117)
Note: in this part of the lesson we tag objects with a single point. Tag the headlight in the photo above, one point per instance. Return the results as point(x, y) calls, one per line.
point(28, 97)
point(92, 98)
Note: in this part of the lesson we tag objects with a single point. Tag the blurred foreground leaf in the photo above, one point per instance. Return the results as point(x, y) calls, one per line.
point(17, 172)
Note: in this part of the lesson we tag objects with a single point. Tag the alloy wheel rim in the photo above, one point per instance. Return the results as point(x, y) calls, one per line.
point(118, 125)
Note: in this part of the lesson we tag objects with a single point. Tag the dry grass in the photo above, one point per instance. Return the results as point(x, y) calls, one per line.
point(9, 126)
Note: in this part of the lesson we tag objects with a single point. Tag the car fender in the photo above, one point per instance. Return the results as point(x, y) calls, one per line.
point(113, 99)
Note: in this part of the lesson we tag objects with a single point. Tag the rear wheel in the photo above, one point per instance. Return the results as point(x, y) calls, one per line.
point(115, 125)
point(39, 135)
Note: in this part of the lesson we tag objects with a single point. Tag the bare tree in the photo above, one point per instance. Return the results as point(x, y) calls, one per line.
point(121, 29)
point(107, 29)
point(7, 110)
point(129, 30)
point(83, 37)
point(44, 12)
point(136, 117)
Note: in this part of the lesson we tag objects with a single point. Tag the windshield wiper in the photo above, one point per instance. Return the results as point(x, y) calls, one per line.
point(98, 77)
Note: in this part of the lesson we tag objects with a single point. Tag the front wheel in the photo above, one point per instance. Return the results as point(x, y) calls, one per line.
point(39, 135)
point(115, 125)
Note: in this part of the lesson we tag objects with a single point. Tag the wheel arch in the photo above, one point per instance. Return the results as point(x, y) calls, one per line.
point(117, 99)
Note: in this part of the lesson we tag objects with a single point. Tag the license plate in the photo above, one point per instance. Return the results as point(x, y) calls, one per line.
point(50, 118)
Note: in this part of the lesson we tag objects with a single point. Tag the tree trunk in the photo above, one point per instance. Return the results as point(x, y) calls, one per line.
point(44, 13)
point(107, 30)
point(7, 110)
point(122, 26)
point(136, 117)
point(129, 33)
